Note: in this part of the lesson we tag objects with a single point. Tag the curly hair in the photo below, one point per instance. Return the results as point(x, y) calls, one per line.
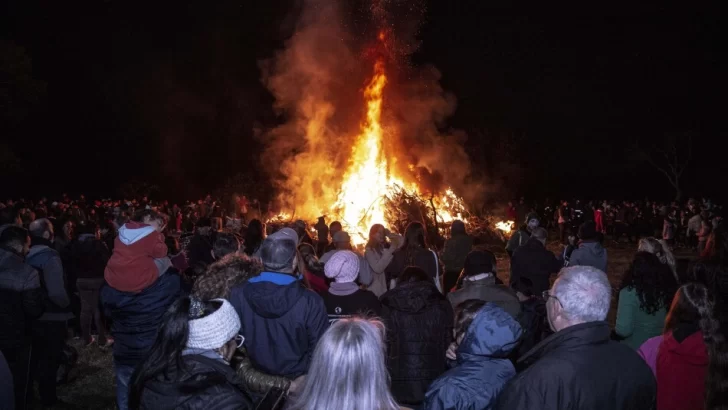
point(660, 249)
point(652, 280)
point(223, 275)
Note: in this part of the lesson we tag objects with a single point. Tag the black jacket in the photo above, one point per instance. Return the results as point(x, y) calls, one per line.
point(419, 322)
point(420, 257)
point(206, 384)
point(21, 300)
point(86, 258)
point(535, 262)
point(580, 368)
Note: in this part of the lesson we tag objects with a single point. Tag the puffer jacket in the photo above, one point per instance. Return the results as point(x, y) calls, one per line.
point(486, 289)
point(137, 316)
point(419, 322)
point(206, 384)
point(589, 253)
point(258, 382)
point(482, 367)
point(21, 300)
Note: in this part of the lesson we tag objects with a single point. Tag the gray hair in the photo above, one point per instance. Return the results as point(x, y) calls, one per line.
point(40, 226)
point(347, 370)
point(584, 293)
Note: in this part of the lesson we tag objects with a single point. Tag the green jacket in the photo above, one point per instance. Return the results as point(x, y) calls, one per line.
point(634, 324)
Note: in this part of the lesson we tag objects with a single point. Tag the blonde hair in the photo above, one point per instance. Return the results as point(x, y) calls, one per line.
point(660, 249)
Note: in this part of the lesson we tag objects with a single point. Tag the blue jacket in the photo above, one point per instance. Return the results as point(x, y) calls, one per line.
point(137, 316)
point(482, 367)
point(47, 262)
point(281, 321)
point(589, 253)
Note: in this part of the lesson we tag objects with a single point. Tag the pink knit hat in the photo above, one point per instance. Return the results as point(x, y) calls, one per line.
point(342, 267)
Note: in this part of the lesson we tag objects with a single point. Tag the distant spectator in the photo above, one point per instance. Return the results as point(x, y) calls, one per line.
point(344, 299)
point(225, 244)
point(533, 318)
point(662, 251)
point(199, 249)
point(589, 251)
point(535, 262)
point(578, 366)
point(379, 252)
point(223, 275)
point(254, 236)
point(523, 234)
point(415, 252)
point(333, 228)
point(322, 232)
point(453, 256)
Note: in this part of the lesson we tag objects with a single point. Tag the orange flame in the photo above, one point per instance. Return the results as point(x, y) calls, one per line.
point(505, 226)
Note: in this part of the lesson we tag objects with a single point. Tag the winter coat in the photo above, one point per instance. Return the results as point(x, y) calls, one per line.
point(46, 260)
point(7, 390)
point(378, 263)
point(535, 262)
point(21, 300)
point(419, 322)
point(634, 324)
point(648, 352)
point(457, 248)
point(518, 239)
point(589, 254)
point(281, 321)
point(682, 362)
point(421, 257)
point(257, 382)
point(205, 384)
point(482, 367)
point(87, 258)
point(487, 290)
point(344, 300)
point(580, 368)
point(136, 317)
point(131, 267)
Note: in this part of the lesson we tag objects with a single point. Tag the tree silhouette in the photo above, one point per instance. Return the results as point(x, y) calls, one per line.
point(671, 158)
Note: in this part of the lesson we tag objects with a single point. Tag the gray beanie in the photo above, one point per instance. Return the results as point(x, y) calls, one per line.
point(279, 249)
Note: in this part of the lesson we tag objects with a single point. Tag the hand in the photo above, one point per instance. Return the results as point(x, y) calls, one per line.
point(297, 384)
point(451, 351)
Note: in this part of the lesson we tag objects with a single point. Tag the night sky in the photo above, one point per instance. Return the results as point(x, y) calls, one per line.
point(97, 93)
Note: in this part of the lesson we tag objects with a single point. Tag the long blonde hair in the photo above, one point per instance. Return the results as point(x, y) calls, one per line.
point(660, 249)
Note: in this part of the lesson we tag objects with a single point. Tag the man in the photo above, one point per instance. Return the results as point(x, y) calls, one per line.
point(520, 237)
point(590, 252)
point(479, 283)
point(535, 262)
point(579, 367)
point(280, 319)
point(50, 331)
point(21, 303)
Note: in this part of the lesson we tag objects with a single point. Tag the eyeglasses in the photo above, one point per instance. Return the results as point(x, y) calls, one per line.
point(239, 339)
point(547, 294)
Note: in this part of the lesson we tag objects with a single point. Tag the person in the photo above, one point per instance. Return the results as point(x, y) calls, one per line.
point(280, 319)
point(669, 228)
point(322, 233)
point(453, 256)
point(199, 249)
point(479, 283)
point(523, 234)
point(253, 237)
point(88, 256)
point(7, 389)
point(344, 298)
point(378, 253)
point(140, 254)
point(334, 227)
point(564, 220)
point(225, 244)
point(21, 303)
point(662, 251)
point(578, 366)
point(342, 242)
point(347, 370)
point(223, 275)
point(301, 228)
point(232, 222)
point(589, 251)
point(534, 261)
point(419, 320)
point(485, 337)
point(646, 292)
point(704, 232)
point(50, 330)
point(68, 230)
point(188, 367)
point(690, 365)
point(599, 220)
point(414, 252)
point(532, 317)
point(135, 319)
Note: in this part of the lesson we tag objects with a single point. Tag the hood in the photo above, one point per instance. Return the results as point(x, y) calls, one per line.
point(132, 232)
point(493, 333)
point(593, 248)
point(691, 349)
point(412, 297)
point(271, 300)
point(36, 250)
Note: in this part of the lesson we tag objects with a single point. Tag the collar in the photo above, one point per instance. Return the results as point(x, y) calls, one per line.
point(275, 277)
point(343, 289)
point(589, 333)
point(479, 277)
point(37, 240)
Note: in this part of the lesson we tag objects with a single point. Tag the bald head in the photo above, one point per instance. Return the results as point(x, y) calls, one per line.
point(41, 228)
point(540, 233)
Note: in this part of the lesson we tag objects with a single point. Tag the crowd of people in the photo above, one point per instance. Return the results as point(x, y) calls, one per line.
point(205, 306)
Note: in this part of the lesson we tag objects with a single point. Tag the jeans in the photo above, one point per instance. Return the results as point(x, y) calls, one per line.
point(88, 290)
point(49, 337)
point(123, 377)
point(18, 359)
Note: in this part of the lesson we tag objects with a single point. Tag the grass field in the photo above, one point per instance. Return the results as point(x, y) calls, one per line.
point(92, 385)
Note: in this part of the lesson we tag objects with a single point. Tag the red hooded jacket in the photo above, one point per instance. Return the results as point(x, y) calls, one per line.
point(681, 370)
point(131, 267)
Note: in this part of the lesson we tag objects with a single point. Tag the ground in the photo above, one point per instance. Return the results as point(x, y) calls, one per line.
point(92, 386)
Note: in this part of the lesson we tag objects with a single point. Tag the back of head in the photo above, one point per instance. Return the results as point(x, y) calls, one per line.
point(148, 215)
point(278, 251)
point(342, 267)
point(457, 228)
point(413, 274)
point(87, 228)
point(414, 235)
point(540, 233)
point(41, 228)
point(225, 244)
point(588, 231)
point(584, 293)
point(223, 275)
point(8, 215)
point(348, 369)
point(477, 262)
point(652, 280)
point(13, 237)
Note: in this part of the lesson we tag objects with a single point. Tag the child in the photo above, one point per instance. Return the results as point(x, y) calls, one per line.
point(140, 254)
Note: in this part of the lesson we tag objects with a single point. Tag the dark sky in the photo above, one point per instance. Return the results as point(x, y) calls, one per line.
point(117, 88)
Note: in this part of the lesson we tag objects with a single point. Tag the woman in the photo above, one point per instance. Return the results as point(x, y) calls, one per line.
point(662, 251)
point(344, 298)
point(188, 367)
point(347, 370)
point(414, 252)
point(378, 254)
point(691, 362)
point(456, 249)
point(254, 236)
point(419, 322)
point(485, 335)
point(644, 298)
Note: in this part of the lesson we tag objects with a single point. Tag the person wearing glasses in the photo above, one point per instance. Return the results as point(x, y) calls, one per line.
point(579, 367)
point(188, 367)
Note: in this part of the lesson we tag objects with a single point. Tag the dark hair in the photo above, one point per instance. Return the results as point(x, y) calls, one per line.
point(172, 244)
point(372, 243)
point(254, 236)
point(165, 356)
point(693, 302)
point(13, 237)
point(413, 274)
point(716, 248)
point(8, 215)
point(150, 214)
point(88, 227)
point(464, 314)
point(652, 280)
point(335, 224)
point(225, 244)
point(524, 285)
point(414, 240)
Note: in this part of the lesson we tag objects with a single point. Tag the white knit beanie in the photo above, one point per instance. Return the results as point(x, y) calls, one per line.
point(214, 330)
point(343, 267)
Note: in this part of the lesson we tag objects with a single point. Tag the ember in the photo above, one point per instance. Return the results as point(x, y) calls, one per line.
point(505, 226)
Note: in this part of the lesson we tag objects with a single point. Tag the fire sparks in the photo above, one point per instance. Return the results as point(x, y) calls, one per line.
point(505, 226)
